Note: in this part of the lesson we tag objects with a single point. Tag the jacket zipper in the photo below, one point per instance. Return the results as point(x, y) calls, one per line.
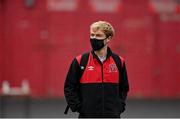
point(102, 90)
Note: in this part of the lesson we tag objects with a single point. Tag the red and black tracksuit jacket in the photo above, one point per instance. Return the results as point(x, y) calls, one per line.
point(101, 91)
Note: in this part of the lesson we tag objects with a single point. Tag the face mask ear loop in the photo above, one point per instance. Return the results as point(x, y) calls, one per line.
point(106, 38)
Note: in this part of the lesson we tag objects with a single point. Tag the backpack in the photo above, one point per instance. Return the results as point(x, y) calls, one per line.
point(84, 61)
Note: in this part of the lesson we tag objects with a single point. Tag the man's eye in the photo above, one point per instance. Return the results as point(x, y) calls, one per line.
point(99, 35)
point(92, 35)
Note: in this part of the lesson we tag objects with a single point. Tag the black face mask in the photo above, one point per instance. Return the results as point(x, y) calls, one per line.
point(97, 44)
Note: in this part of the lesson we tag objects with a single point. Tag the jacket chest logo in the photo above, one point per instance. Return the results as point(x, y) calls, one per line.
point(90, 68)
point(112, 68)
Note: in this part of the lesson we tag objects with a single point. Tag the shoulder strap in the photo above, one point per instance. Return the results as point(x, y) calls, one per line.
point(83, 62)
point(118, 62)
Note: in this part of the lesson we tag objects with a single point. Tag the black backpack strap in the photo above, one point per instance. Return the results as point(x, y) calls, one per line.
point(66, 110)
point(83, 63)
point(118, 62)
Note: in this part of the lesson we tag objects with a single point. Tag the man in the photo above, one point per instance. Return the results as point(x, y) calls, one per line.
point(99, 88)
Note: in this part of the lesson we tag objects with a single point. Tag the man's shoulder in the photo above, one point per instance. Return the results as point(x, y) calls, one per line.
point(78, 57)
point(120, 56)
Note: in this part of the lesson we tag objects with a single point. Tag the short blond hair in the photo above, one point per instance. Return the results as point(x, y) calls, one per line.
point(106, 27)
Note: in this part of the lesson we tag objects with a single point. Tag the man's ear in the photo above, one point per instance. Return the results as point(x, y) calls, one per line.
point(109, 38)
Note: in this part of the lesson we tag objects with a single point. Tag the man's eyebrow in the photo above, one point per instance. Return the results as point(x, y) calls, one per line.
point(97, 33)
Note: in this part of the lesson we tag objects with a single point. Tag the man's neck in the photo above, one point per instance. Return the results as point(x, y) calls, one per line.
point(102, 52)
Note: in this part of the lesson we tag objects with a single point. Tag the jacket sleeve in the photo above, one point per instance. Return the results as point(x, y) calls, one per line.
point(123, 85)
point(71, 86)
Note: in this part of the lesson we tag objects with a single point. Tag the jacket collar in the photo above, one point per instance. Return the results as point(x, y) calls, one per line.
point(109, 53)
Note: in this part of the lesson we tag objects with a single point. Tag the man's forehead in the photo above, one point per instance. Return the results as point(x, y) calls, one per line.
point(96, 31)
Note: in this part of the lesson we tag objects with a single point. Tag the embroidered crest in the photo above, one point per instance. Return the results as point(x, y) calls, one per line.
point(112, 68)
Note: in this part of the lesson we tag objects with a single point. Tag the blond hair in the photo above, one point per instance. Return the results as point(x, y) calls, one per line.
point(106, 27)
